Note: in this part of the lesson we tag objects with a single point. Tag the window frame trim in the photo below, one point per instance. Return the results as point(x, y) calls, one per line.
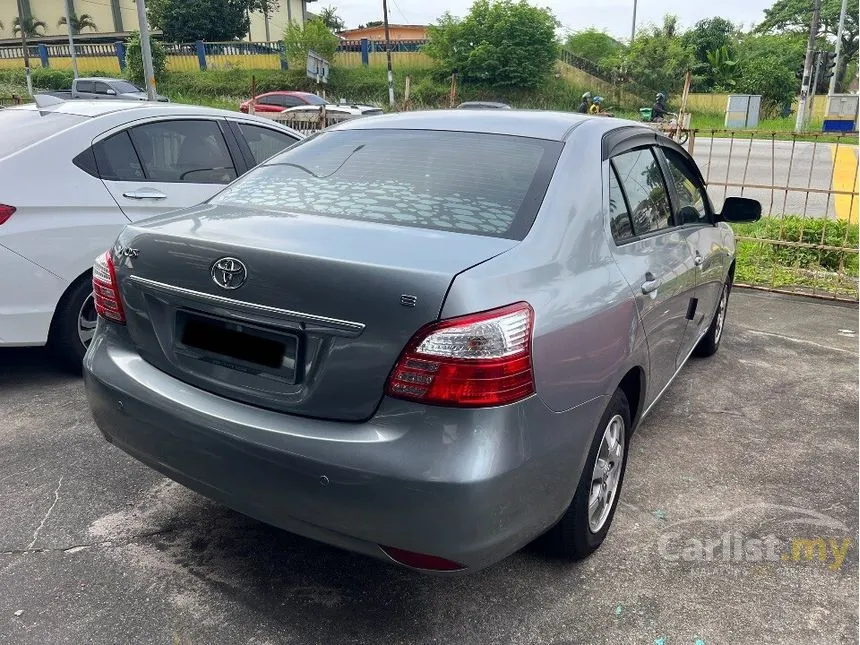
point(674, 198)
point(662, 231)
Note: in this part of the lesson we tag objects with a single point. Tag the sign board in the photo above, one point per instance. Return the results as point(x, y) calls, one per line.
point(317, 67)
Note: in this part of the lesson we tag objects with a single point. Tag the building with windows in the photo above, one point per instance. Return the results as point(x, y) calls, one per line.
point(114, 19)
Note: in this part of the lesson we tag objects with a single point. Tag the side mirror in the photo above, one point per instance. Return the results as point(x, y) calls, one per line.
point(110, 92)
point(740, 209)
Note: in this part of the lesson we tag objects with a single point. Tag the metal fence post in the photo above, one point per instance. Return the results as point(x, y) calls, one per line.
point(365, 52)
point(43, 54)
point(120, 54)
point(283, 55)
point(201, 54)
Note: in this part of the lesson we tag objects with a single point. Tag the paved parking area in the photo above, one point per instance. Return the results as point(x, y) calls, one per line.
point(747, 451)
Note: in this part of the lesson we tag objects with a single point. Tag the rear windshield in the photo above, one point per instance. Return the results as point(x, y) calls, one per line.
point(486, 184)
point(20, 128)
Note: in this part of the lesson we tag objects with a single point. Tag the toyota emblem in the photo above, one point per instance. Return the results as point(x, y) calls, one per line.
point(229, 273)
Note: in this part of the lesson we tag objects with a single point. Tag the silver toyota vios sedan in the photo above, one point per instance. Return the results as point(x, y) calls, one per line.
point(425, 337)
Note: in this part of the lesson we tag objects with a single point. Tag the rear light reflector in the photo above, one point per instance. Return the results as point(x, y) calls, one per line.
point(6, 212)
point(106, 290)
point(421, 560)
point(477, 360)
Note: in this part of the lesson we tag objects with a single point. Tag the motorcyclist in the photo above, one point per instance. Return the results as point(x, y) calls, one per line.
point(586, 103)
point(659, 111)
point(596, 105)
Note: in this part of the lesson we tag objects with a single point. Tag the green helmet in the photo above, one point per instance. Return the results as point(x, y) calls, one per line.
point(586, 96)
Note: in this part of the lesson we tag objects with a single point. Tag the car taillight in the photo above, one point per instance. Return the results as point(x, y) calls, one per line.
point(471, 361)
point(106, 290)
point(6, 212)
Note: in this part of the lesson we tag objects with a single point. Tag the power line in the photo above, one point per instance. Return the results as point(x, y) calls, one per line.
point(403, 15)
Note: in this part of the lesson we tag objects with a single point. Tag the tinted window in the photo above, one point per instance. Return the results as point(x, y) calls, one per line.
point(640, 175)
point(291, 101)
point(21, 127)
point(271, 100)
point(492, 185)
point(117, 160)
point(313, 99)
point(264, 142)
point(124, 87)
point(192, 151)
point(101, 88)
point(692, 206)
point(86, 161)
point(619, 218)
point(84, 86)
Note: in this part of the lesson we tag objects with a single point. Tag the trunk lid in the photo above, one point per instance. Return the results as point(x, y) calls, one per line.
point(325, 309)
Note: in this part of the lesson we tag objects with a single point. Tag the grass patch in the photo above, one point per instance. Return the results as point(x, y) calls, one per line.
point(832, 270)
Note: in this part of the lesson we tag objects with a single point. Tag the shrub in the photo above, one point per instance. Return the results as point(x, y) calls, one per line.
point(793, 228)
point(314, 34)
point(500, 43)
point(134, 59)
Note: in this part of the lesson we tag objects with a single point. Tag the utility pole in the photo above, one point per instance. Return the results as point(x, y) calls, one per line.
point(388, 53)
point(816, 78)
point(21, 24)
point(839, 33)
point(807, 68)
point(145, 50)
point(71, 39)
point(633, 26)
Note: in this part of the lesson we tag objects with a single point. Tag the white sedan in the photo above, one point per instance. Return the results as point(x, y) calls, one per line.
point(73, 173)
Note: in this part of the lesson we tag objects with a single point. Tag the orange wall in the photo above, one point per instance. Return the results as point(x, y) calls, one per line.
point(396, 32)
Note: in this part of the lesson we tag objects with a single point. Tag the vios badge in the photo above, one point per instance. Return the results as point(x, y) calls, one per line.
point(229, 273)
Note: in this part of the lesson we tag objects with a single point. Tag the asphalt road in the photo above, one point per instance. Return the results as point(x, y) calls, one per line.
point(799, 165)
point(758, 443)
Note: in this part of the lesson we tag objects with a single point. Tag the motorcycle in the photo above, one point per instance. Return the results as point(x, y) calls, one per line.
point(676, 128)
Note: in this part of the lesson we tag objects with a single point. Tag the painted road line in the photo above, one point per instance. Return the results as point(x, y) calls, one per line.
point(845, 179)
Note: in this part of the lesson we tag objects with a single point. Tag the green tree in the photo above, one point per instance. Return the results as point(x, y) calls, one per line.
point(722, 69)
point(500, 42)
point(705, 38)
point(31, 27)
point(134, 59)
point(190, 20)
point(768, 63)
point(79, 23)
point(315, 35)
point(333, 21)
point(659, 58)
point(596, 46)
point(795, 16)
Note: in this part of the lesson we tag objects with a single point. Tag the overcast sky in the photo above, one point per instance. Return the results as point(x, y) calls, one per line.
point(614, 16)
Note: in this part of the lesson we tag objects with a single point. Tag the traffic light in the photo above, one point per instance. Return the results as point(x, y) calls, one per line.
point(828, 65)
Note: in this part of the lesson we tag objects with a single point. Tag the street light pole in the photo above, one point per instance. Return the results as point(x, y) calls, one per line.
point(633, 26)
point(388, 53)
point(71, 39)
point(145, 50)
point(21, 25)
point(839, 32)
point(807, 68)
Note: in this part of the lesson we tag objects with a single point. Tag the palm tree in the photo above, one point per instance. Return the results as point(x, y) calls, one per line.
point(31, 26)
point(79, 23)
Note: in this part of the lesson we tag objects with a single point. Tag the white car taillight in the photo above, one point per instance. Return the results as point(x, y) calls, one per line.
point(106, 290)
point(472, 361)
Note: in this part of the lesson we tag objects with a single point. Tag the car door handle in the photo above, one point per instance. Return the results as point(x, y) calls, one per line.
point(651, 283)
point(144, 193)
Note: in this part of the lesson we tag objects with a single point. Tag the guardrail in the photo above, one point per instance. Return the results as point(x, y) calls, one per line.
point(807, 240)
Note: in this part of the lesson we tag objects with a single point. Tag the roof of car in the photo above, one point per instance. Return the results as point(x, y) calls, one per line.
point(537, 124)
point(290, 93)
point(96, 108)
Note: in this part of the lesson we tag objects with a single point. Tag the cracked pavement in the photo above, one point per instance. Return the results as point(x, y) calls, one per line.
point(759, 443)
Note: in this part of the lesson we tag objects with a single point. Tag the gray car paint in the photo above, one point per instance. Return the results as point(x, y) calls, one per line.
point(468, 485)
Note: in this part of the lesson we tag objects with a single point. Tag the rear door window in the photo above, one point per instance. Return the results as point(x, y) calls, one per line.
point(647, 197)
point(117, 160)
point(264, 142)
point(270, 100)
point(486, 184)
point(84, 86)
point(619, 214)
point(184, 151)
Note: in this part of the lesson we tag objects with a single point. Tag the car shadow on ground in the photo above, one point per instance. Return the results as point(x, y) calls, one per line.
point(31, 366)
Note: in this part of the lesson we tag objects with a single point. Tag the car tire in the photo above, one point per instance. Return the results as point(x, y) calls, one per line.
point(710, 342)
point(73, 324)
point(582, 529)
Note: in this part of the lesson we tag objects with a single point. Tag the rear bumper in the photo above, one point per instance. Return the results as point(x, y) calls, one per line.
point(470, 486)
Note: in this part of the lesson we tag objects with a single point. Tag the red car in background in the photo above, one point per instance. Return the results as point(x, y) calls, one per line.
point(280, 101)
